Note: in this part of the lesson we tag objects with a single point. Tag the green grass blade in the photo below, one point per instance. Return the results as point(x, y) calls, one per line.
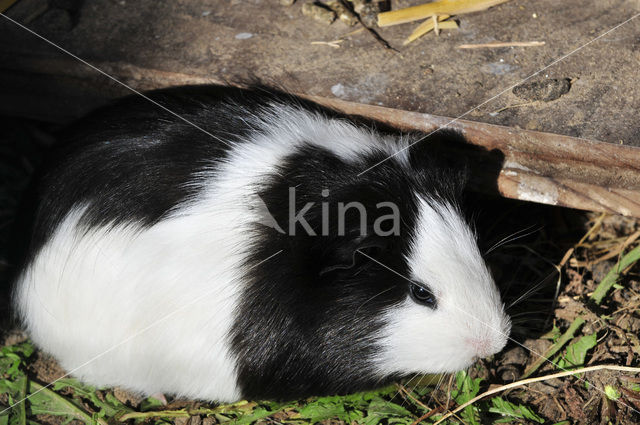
point(612, 277)
point(565, 338)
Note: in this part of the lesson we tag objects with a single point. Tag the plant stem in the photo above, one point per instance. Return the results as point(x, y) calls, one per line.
point(182, 413)
point(566, 337)
point(612, 277)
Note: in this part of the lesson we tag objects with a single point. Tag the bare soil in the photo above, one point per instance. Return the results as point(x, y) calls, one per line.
point(229, 40)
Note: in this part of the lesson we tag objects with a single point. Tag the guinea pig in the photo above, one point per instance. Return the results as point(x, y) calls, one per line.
point(221, 243)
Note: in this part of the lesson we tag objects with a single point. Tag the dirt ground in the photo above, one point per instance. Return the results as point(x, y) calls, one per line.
point(214, 40)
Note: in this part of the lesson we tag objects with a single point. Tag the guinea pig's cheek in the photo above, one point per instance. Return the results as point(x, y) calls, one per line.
point(418, 339)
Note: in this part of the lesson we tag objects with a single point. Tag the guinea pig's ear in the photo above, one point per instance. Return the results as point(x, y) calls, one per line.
point(355, 255)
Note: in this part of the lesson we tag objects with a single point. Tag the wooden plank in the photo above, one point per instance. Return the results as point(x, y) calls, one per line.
point(538, 167)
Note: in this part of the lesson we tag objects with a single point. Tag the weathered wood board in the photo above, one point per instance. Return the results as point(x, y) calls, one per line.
point(539, 167)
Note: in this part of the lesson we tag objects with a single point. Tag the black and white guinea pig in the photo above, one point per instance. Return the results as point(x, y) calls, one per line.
point(256, 246)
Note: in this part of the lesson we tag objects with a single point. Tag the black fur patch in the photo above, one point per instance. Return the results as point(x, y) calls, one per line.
point(308, 321)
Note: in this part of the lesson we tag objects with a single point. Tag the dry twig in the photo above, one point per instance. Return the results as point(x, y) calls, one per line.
point(497, 44)
point(430, 25)
point(441, 7)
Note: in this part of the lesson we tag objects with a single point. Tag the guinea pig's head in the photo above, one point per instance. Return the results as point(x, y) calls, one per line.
point(384, 279)
point(452, 313)
point(425, 293)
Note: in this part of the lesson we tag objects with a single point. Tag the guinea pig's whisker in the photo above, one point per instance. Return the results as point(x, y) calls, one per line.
point(416, 377)
point(536, 254)
point(514, 236)
point(403, 392)
point(376, 295)
point(531, 290)
point(413, 388)
point(528, 313)
point(446, 405)
point(529, 319)
point(439, 384)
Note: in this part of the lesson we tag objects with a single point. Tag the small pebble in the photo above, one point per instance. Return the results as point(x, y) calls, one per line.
point(343, 13)
point(243, 35)
point(369, 15)
point(338, 90)
point(318, 13)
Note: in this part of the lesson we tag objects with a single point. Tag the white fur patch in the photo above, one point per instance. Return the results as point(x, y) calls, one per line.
point(469, 319)
point(116, 305)
point(289, 125)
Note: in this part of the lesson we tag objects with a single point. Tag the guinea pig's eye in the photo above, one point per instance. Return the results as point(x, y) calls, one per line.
point(422, 295)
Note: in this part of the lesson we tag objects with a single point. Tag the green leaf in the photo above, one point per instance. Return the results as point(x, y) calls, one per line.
point(9, 387)
point(150, 403)
point(351, 408)
point(15, 386)
point(576, 352)
point(467, 388)
point(258, 413)
point(18, 414)
point(633, 386)
point(12, 359)
point(553, 334)
point(107, 408)
point(511, 410)
point(43, 400)
point(380, 410)
point(551, 351)
point(387, 408)
point(388, 391)
point(322, 409)
point(612, 393)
